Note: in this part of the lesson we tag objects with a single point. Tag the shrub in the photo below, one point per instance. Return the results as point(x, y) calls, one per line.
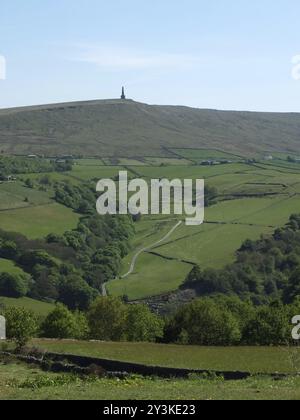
point(142, 324)
point(107, 319)
point(21, 325)
point(62, 323)
point(203, 322)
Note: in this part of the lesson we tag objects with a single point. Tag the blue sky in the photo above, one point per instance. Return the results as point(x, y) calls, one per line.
point(225, 54)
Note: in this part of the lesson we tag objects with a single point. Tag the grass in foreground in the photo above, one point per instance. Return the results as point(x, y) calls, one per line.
point(248, 359)
point(20, 382)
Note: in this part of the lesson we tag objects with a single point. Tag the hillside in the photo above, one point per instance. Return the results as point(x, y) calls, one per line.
point(131, 129)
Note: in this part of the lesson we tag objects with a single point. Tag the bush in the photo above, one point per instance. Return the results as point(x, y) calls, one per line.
point(269, 326)
point(107, 319)
point(21, 325)
point(142, 324)
point(203, 322)
point(62, 323)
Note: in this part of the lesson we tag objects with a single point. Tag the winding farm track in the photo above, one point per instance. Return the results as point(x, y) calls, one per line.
point(148, 248)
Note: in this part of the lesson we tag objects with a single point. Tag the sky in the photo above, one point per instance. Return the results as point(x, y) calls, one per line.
point(217, 54)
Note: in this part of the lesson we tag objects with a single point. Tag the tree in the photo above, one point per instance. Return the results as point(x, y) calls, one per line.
point(142, 324)
point(203, 322)
point(210, 195)
point(107, 319)
point(45, 180)
point(242, 311)
point(292, 291)
point(21, 325)
point(75, 293)
point(270, 326)
point(62, 323)
point(29, 183)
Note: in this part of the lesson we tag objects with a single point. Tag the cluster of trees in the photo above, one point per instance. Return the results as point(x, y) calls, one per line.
point(100, 243)
point(107, 319)
point(225, 321)
point(81, 197)
point(210, 195)
point(10, 165)
point(218, 321)
point(264, 270)
point(70, 268)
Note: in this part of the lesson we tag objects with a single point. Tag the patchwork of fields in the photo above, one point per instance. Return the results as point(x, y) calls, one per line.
point(253, 199)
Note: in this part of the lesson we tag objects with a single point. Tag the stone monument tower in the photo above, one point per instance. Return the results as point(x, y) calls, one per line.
point(123, 94)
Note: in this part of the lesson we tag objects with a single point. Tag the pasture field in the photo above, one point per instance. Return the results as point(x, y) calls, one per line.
point(7, 266)
point(54, 177)
point(89, 162)
point(246, 359)
point(152, 276)
point(41, 309)
point(205, 154)
point(14, 195)
point(193, 171)
point(243, 209)
point(88, 172)
point(213, 247)
point(130, 162)
point(21, 382)
point(37, 222)
point(156, 161)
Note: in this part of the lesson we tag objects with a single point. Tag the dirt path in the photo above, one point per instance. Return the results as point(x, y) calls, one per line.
point(148, 248)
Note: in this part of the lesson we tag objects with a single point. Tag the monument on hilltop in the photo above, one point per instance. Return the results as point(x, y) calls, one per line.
point(123, 96)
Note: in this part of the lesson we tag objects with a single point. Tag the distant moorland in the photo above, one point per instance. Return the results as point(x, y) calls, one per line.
point(131, 129)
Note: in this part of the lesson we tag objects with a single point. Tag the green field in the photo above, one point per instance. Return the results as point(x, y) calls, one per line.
point(152, 276)
point(206, 154)
point(7, 266)
point(246, 359)
point(38, 222)
point(87, 173)
point(14, 195)
point(39, 308)
point(167, 161)
point(21, 382)
point(18, 381)
point(89, 162)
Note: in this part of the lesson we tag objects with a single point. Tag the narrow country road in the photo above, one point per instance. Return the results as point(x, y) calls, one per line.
point(148, 248)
